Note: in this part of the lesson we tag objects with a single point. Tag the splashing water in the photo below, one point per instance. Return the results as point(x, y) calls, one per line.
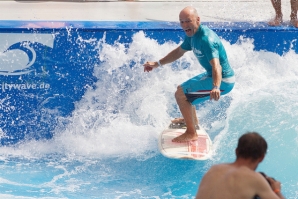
point(108, 148)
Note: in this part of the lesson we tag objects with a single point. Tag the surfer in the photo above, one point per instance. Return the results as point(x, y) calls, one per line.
point(239, 179)
point(219, 76)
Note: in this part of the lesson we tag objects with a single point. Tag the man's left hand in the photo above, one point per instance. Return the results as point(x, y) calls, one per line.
point(215, 94)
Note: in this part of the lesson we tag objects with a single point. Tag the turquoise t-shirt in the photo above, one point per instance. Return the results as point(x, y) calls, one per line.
point(206, 45)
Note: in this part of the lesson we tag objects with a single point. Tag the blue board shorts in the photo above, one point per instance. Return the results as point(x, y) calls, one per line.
point(197, 89)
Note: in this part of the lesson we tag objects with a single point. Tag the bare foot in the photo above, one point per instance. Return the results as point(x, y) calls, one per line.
point(186, 137)
point(275, 22)
point(181, 120)
point(178, 120)
point(294, 22)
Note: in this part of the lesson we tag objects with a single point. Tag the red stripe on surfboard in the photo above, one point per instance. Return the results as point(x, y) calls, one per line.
point(198, 146)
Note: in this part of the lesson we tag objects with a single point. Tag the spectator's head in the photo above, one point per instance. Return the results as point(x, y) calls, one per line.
point(251, 146)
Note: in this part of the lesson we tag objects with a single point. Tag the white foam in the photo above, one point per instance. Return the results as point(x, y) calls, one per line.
point(127, 110)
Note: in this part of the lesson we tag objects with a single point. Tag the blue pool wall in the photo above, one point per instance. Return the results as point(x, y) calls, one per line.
point(47, 66)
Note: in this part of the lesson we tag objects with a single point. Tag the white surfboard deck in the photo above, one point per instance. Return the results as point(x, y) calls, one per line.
point(200, 149)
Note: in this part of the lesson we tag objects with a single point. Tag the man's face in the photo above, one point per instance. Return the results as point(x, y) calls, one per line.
point(189, 23)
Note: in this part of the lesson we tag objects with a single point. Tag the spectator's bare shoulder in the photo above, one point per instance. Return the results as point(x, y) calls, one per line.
point(219, 168)
point(249, 175)
point(214, 170)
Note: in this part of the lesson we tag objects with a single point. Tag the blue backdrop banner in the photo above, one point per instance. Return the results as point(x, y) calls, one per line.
point(47, 66)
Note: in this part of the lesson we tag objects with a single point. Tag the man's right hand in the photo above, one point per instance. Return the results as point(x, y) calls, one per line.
point(148, 66)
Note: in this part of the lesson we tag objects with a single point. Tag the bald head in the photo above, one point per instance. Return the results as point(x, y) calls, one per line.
point(188, 11)
point(189, 20)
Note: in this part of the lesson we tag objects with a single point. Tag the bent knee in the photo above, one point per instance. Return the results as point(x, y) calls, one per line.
point(179, 94)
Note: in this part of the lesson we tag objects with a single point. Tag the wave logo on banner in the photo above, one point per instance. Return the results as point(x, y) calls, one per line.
point(17, 54)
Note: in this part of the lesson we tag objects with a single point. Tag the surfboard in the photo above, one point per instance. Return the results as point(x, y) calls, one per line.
point(201, 149)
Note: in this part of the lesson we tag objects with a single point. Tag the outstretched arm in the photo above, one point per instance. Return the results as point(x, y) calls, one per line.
point(169, 58)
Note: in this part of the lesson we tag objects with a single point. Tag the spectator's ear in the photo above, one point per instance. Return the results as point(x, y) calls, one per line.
point(262, 158)
point(236, 152)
